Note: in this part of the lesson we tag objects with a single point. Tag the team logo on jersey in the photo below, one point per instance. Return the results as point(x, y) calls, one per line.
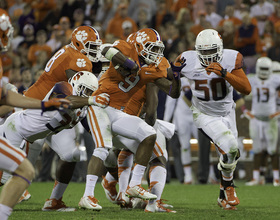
point(81, 63)
point(81, 35)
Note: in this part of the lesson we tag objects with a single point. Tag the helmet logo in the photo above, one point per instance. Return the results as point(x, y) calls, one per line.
point(4, 23)
point(141, 37)
point(81, 63)
point(81, 35)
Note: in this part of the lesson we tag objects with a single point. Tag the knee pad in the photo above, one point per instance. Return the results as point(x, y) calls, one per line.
point(77, 154)
point(101, 153)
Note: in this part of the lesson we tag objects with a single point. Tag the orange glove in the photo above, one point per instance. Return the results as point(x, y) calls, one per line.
point(55, 104)
point(216, 68)
point(102, 100)
point(248, 115)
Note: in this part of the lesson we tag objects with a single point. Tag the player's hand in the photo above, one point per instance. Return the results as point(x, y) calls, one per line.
point(217, 69)
point(55, 104)
point(102, 100)
point(274, 115)
point(177, 69)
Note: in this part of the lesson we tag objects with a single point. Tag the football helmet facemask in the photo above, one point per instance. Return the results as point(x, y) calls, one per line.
point(149, 46)
point(263, 68)
point(209, 47)
point(275, 67)
point(86, 39)
point(6, 30)
point(84, 83)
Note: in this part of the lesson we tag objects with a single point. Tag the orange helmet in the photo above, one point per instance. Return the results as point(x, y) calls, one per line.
point(149, 45)
point(87, 40)
point(131, 38)
point(6, 30)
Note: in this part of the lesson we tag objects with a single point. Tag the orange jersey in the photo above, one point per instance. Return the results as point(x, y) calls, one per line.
point(135, 104)
point(120, 88)
point(66, 58)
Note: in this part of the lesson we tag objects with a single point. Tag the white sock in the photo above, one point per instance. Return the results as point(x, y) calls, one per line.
point(109, 177)
point(90, 185)
point(275, 174)
point(157, 181)
point(188, 173)
point(58, 190)
point(256, 175)
point(125, 161)
point(5, 212)
point(137, 175)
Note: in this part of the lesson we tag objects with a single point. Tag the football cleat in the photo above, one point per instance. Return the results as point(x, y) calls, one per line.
point(253, 182)
point(24, 197)
point(89, 202)
point(224, 204)
point(157, 207)
point(231, 196)
point(110, 190)
point(138, 203)
point(164, 204)
point(123, 201)
point(276, 182)
point(139, 192)
point(56, 205)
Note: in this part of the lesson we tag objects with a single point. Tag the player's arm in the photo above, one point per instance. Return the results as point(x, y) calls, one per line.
point(151, 103)
point(14, 99)
point(5, 109)
point(102, 100)
point(123, 64)
point(237, 78)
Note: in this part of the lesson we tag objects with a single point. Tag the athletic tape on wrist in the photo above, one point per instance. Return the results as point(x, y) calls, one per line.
point(91, 100)
point(110, 53)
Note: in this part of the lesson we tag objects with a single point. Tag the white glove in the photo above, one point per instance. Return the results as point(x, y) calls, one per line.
point(102, 100)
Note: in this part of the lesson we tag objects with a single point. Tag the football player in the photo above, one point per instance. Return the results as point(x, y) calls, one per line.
point(181, 116)
point(263, 123)
point(12, 159)
point(213, 72)
point(79, 55)
point(132, 67)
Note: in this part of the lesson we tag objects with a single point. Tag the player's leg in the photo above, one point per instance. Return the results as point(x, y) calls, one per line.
point(271, 133)
point(223, 132)
point(13, 160)
point(111, 178)
point(64, 144)
point(257, 135)
point(100, 126)
point(135, 128)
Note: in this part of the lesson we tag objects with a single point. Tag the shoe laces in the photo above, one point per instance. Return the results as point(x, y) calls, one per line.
point(93, 199)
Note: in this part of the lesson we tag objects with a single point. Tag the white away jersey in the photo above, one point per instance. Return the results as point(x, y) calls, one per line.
point(212, 95)
point(264, 94)
point(32, 125)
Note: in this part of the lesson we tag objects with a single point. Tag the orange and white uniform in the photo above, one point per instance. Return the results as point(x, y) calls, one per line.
point(10, 157)
point(121, 90)
point(164, 129)
point(65, 59)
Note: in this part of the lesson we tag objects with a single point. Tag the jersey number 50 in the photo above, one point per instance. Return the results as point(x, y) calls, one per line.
point(217, 86)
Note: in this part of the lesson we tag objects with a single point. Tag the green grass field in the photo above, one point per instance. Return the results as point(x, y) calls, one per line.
point(190, 202)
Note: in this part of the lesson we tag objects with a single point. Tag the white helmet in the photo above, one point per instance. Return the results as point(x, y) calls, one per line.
point(209, 47)
point(275, 67)
point(264, 67)
point(84, 83)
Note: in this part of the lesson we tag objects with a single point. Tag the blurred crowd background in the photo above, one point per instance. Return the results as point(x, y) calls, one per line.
point(41, 27)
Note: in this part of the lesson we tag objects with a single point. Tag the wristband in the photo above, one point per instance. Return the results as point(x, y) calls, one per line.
point(91, 100)
point(110, 53)
point(128, 63)
point(223, 73)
